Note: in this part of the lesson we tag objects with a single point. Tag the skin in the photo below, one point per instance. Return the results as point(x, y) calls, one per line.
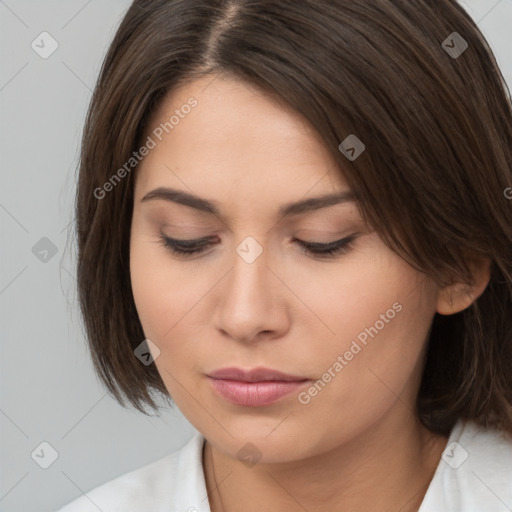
point(358, 444)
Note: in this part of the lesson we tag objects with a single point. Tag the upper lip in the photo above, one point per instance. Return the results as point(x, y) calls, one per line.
point(254, 375)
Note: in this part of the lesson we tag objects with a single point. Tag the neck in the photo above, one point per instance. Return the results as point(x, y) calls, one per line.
point(388, 466)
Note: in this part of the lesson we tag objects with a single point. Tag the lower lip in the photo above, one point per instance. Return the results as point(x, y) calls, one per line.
point(254, 394)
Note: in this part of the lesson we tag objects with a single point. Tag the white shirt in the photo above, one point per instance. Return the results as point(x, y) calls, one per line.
point(473, 475)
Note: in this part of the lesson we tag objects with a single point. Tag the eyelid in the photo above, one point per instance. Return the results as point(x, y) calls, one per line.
point(189, 241)
point(333, 249)
point(329, 249)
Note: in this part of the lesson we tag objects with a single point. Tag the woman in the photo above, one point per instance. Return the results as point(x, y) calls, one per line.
point(293, 219)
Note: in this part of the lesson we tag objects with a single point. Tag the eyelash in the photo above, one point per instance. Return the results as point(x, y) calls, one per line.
point(330, 250)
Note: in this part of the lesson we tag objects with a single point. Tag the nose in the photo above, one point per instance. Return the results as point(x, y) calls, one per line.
point(251, 302)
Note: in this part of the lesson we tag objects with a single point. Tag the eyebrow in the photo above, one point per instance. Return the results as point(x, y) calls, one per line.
point(208, 206)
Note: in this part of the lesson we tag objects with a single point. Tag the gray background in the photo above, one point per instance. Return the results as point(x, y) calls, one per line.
point(48, 389)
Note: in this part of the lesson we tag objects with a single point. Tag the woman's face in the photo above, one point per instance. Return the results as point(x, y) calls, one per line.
point(351, 326)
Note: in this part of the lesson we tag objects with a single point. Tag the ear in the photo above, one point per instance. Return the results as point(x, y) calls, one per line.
point(458, 296)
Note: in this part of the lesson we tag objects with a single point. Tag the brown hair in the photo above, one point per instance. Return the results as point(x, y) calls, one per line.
point(438, 134)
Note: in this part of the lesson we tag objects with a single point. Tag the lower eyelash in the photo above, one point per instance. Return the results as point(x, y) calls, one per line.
point(189, 247)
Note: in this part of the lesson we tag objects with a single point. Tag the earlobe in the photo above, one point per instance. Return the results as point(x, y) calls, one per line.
point(456, 297)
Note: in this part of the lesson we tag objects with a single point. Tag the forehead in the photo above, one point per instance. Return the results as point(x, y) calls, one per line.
point(236, 143)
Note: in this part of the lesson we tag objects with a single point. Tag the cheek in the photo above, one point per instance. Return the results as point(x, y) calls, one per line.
point(167, 298)
point(164, 301)
point(380, 339)
point(371, 294)
point(147, 284)
point(155, 286)
point(377, 314)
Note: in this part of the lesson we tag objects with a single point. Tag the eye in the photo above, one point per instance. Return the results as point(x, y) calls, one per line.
point(329, 250)
point(185, 247)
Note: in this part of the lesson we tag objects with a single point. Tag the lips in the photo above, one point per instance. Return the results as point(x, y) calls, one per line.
point(254, 388)
point(254, 375)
